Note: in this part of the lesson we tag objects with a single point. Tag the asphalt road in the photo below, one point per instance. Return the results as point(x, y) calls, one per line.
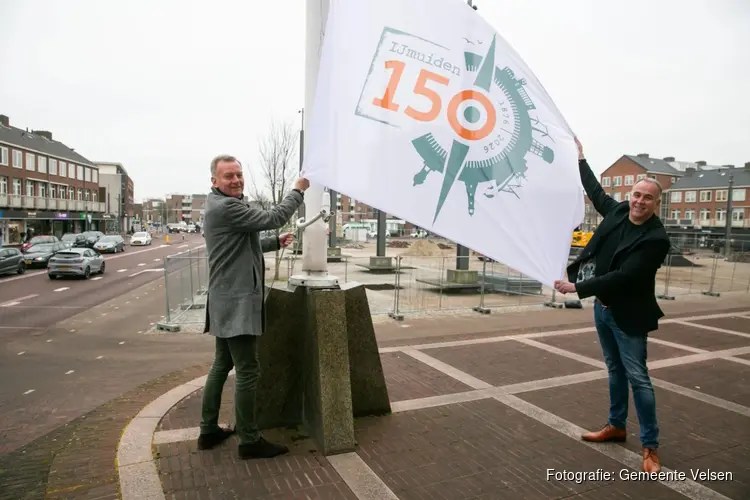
point(69, 346)
point(32, 301)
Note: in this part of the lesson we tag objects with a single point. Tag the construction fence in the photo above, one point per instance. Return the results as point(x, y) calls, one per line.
point(406, 282)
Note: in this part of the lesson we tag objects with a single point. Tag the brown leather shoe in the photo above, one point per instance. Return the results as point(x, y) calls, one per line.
point(608, 433)
point(651, 460)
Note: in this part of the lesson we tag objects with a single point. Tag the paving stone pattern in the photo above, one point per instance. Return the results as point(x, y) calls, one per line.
point(507, 362)
point(716, 377)
point(738, 323)
point(587, 344)
point(408, 378)
point(702, 339)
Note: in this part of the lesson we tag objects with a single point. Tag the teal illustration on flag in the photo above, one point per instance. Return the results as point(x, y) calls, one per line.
point(435, 119)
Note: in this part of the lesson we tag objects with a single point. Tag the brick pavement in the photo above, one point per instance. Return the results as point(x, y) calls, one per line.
point(447, 440)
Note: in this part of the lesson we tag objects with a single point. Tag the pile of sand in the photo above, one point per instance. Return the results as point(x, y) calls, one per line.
point(423, 248)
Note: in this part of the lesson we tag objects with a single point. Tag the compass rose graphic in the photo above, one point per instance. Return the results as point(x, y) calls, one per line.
point(494, 133)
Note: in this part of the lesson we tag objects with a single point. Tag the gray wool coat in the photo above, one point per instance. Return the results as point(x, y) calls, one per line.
point(236, 269)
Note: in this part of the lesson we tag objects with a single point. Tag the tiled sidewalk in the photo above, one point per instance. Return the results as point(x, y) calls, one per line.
point(488, 418)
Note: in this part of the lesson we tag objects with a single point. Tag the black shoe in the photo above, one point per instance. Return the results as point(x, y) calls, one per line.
point(261, 449)
point(208, 441)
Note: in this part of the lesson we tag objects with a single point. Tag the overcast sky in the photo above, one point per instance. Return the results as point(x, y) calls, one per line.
point(164, 85)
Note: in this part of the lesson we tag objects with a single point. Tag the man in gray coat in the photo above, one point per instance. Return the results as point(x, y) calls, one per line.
point(235, 309)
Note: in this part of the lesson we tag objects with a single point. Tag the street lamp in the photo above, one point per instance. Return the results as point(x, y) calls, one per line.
point(727, 244)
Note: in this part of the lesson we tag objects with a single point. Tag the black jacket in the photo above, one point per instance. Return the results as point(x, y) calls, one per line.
point(628, 286)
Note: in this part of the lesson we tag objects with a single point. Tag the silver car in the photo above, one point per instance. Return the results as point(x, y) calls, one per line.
point(75, 262)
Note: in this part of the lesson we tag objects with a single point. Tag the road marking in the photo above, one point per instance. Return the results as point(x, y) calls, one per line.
point(97, 278)
point(28, 392)
point(146, 271)
point(72, 331)
point(27, 275)
point(69, 372)
point(141, 264)
point(49, 340)
point(20, 353)
point(20, 328)
point(122, 342)
point(121, 270)
point(61, 289)
point(18, 300)
point(99, 357)
point(157, 260)
point(182, 246)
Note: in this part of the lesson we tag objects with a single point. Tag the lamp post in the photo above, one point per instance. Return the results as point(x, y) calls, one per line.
point(728, 236)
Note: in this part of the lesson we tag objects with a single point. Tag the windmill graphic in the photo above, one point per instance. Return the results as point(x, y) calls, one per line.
point(498, 149)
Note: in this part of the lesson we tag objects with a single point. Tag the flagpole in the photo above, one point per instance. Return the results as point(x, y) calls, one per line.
point(314, 238)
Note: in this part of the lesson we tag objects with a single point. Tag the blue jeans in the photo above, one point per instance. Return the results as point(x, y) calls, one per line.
point(625, 357)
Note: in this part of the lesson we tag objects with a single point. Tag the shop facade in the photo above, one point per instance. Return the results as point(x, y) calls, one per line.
point(16, 224)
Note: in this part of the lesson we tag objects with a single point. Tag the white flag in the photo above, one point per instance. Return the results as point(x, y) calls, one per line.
point(422, 110)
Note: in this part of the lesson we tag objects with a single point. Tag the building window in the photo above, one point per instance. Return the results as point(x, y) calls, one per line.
point(30, 161)
point(52, 166)
point(17, 159)
point(72, 193)
point(721, 214)
point(42, 167)
point(675, 214)
point(705, 214)
point(87, 195)
point(721, 195)
point(628, 180)
point(605, 182)
point(705, 195)
point(63, 169)
point(80, 172)
point(80, 194)
point(95, 176)
point(617, 197)
point(42, 191)
point(3, 185)
point(87, 174)
point(63, 193)
point(52, 191)
point(676, 197)
point(690, 214)
point(627, 196)
point(93, 196)
point(738, 194)
point(738, 214)
point(29, 188)
point(641, 177)
point(16, 187)
point(617, 181)
point(71, 171)
point(4, 156)
point(689, 196)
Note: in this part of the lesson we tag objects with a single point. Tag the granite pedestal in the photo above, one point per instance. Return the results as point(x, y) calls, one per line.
point(320, 365)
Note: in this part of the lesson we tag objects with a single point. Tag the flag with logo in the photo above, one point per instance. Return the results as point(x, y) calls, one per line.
point(424, 111)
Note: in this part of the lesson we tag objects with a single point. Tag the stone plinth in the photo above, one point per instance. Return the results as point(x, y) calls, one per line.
point(334, 254)
point(462, 276)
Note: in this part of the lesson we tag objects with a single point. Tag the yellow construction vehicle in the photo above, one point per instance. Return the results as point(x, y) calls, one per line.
point(580, 239)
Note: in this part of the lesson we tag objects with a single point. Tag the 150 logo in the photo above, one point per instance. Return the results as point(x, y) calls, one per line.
point(482, 117)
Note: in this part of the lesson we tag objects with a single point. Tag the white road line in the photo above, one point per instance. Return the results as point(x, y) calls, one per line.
point(182, 246)
point(61, 289)
point(157, 260)
point(141, 264)
point(49, 340)
point(122, 342)
point(21, 353)
point(360, 478)
point(28, 392)
point(18, 300)
point(146, 271)
point(97, 278)
point(121, 270)
point(19, 328)
point(27, 275)
point(69, 372)
point(713, 328)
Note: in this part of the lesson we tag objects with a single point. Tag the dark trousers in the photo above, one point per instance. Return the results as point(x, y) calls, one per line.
point(625, 357)
point(241, 353)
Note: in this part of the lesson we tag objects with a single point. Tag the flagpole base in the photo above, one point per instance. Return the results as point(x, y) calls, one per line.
point(314, 280)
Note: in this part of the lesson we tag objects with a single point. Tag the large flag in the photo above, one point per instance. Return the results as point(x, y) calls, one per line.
point(422, 110)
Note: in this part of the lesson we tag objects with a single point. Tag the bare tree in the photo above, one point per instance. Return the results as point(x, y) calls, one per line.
point(277, 156)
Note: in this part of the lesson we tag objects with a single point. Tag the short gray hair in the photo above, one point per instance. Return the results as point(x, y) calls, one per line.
point(215, 162)
point(653, 181)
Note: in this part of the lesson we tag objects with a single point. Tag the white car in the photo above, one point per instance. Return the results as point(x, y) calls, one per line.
point(141, 238)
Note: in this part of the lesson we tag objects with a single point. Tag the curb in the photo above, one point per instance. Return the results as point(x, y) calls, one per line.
point(136, 468)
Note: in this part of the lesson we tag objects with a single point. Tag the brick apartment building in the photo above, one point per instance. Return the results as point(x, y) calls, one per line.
point(45, 186)
point(349, 211)
point(189, 208)
point(698, 200)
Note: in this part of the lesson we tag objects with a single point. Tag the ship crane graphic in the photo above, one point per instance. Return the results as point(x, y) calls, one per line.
point(504, 170)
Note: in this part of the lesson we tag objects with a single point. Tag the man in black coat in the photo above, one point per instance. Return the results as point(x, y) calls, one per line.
point(618, 267)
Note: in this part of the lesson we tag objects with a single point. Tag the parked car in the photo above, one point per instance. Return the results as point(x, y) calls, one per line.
point(38, 255)
point(92, 237)
point(140, 238)
point(46, 238)
point(73, 240)
point(79, 262)
point(110, 243)
point(11, 261)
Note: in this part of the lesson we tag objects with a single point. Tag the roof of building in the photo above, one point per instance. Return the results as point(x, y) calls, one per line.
point(40, 141)
point(108, 165)
point(654, 165)
point(713, 178)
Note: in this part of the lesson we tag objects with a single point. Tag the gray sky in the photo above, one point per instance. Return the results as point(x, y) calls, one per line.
point(163, 86)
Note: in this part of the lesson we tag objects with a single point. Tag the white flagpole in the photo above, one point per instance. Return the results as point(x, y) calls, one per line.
point(315, 238)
